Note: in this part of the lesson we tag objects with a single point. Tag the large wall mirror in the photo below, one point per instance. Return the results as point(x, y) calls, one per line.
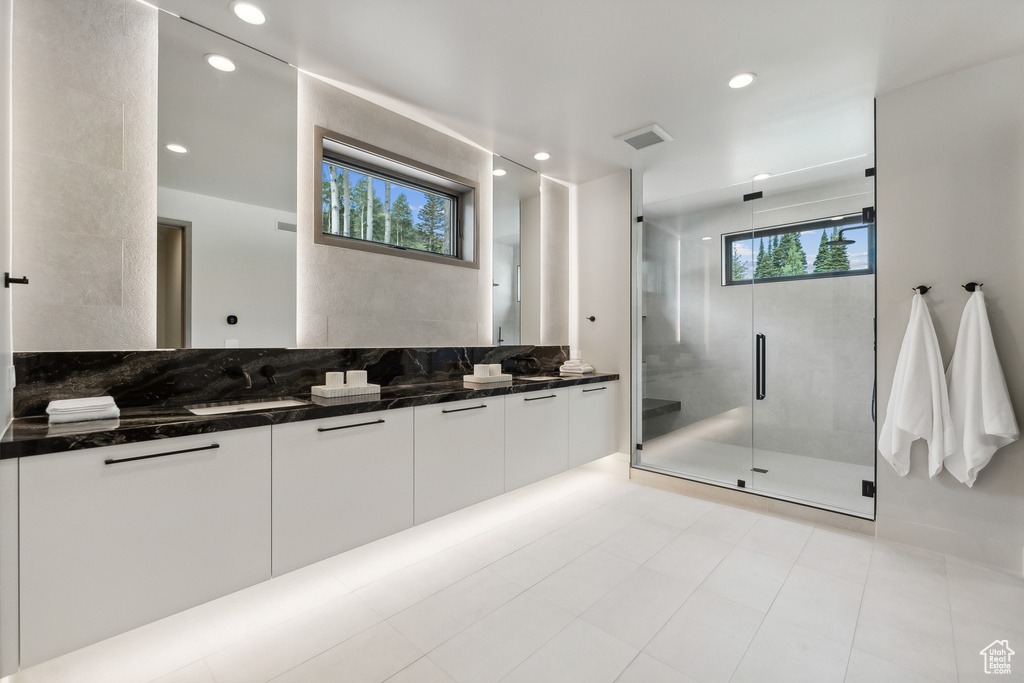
point(226, 206)
point(225, 234)
point(516, 254)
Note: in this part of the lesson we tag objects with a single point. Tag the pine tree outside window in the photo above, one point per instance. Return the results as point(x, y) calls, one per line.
point(800, 251)
point(360, 205)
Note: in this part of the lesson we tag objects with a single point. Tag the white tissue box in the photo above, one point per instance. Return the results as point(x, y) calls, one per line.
point(336, 392)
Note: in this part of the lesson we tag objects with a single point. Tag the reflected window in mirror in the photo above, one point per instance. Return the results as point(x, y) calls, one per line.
point(372, 200)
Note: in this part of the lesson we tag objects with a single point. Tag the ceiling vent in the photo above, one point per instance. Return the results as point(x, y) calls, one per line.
point(645, 137)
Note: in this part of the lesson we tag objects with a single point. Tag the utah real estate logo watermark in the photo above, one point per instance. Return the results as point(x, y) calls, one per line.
point(997, 657)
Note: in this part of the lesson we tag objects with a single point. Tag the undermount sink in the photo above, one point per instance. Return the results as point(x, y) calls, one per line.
point(243, 406)
point(539, 379)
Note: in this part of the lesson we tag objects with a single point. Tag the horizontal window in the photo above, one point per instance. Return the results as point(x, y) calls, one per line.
point(830, 247)
point(371, 200)
point(361, 205)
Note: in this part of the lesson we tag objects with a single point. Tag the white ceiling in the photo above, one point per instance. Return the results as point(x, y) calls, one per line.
point(567, 76)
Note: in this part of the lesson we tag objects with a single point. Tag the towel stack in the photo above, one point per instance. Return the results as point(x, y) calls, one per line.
point(82, 409)
point(575, 365)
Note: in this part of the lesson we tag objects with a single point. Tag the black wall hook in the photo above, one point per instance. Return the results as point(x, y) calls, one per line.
point(8, 280)
point(921, 289)
point(972, 286)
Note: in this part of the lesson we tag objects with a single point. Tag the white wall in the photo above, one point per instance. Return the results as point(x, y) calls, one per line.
point(352, 298)
point(951, 210)
point(84, 180)
point(242, 265)
point(602, 231)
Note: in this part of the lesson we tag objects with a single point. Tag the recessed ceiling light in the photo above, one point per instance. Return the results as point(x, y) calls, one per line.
point(705, 239)
point(176, 148)
point(837, 218)
point(499, 172)
point(220, 62)
point(248, 12)
point(762, 176)
point(742, 80)
point(541, 156)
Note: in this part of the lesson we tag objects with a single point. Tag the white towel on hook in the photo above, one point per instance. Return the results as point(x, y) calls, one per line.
point(918, 404)
point(978, 399)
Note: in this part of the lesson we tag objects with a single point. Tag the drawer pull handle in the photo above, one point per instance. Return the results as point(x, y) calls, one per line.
point(359, 424)
point(540, 398)
point(459, 410)
point(111, 461)
point(597, 389)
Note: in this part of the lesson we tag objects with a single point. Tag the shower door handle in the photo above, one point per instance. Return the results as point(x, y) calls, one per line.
point(761, 374)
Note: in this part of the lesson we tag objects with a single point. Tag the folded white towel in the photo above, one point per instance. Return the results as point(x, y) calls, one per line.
point(978, 399)
point(62, 429)
point(78, 405)
point(575, 367)
point(81, 416)
point(576, 371)
point(918, 404)
point(107, 413)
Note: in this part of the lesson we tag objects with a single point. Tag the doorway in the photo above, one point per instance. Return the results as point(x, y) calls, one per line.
point(172, 284)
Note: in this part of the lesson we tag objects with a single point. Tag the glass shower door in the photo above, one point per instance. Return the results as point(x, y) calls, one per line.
point(814, 307)
point(696, 353)
point(756, 337)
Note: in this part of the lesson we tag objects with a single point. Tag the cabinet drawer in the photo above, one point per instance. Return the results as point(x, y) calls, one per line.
point(593, 423)
point(116, 537)
point(536, 436)
point(459, 455)
point(339, 483)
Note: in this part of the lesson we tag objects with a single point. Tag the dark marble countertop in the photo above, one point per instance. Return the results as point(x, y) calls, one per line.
point(35, 436)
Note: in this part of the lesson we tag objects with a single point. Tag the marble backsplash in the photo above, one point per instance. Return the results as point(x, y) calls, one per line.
point(189, 376)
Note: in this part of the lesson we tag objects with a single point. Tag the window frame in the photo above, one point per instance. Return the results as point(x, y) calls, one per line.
point(380, 163)
point(770, 231)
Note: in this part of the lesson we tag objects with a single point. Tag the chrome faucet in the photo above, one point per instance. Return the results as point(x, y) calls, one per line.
point(235, 372)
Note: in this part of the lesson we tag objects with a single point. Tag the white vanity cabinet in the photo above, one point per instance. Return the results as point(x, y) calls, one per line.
point(115, 537)
point(593, 422)
point(340, 482)
point(536, 436)
point(460, 455)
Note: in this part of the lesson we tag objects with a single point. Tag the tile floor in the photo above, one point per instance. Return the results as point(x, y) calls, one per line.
point(587, 577)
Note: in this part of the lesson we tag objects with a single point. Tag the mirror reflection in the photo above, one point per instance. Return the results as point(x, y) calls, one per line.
point(516, 254)
point(227, 192)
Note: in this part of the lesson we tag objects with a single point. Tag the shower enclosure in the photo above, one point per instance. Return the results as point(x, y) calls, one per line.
point(756, 337)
